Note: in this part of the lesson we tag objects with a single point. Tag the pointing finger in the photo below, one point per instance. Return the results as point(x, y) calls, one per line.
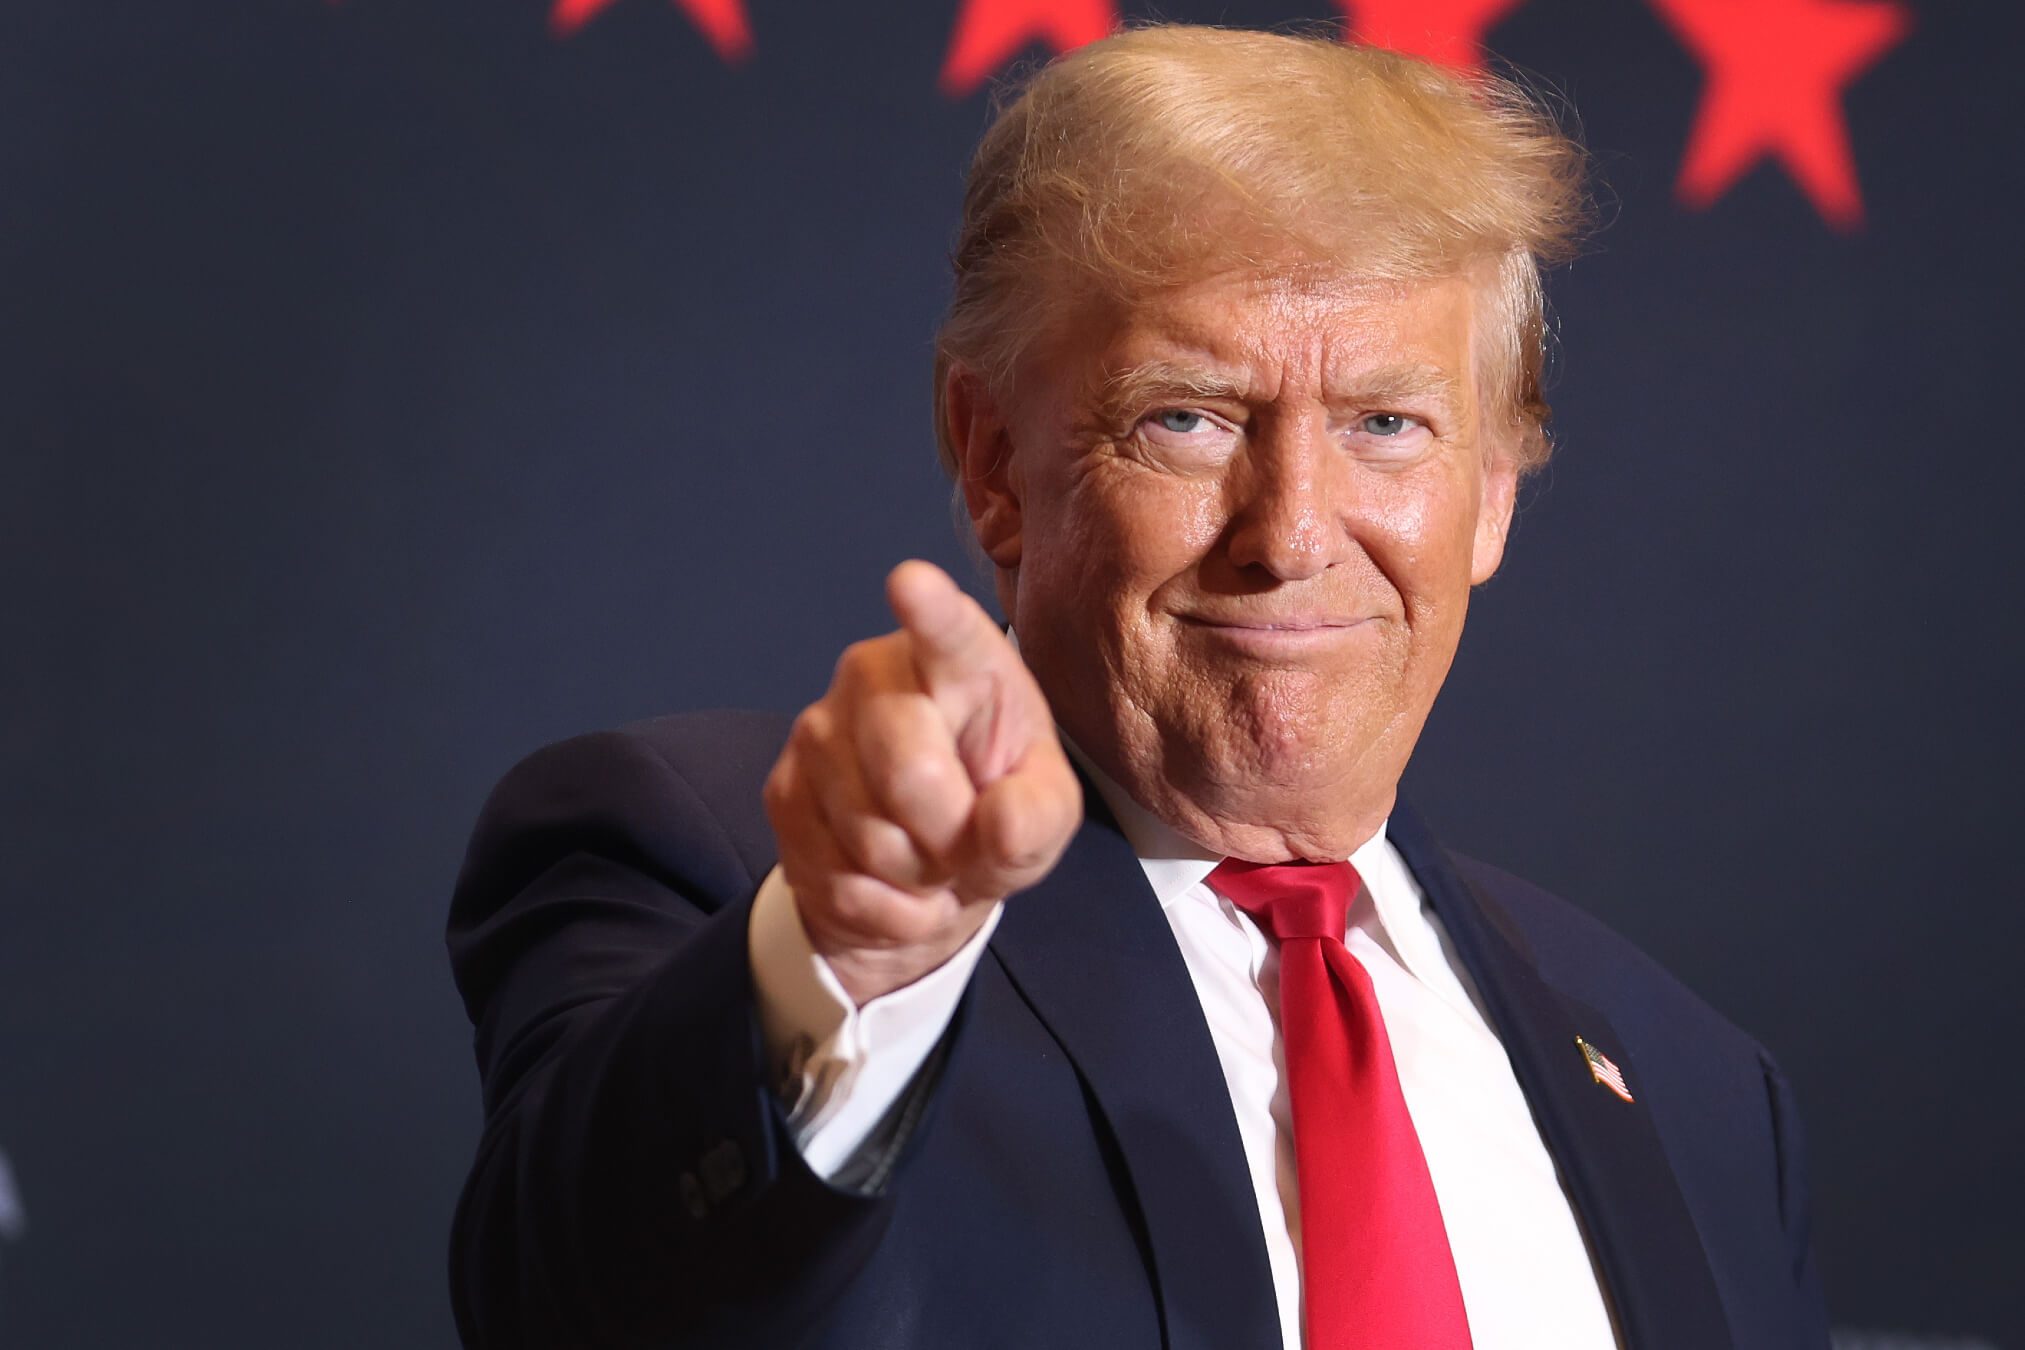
point(954, 639)
point(967, 667)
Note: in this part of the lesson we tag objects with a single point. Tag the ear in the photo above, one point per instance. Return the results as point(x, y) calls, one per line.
point(1494, 513)
point(982, 442)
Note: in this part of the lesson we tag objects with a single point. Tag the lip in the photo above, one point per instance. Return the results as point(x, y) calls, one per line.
point(1279, 623)
point(1286, 633)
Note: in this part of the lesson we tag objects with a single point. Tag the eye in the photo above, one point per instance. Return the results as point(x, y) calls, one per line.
point(1386, 424)
point(1185, 439)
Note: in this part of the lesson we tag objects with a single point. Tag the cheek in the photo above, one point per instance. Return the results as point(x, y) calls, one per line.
point(1424, 538)
point(1129, 534)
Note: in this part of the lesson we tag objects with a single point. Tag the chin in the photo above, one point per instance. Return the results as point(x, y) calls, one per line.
point(1291, 715)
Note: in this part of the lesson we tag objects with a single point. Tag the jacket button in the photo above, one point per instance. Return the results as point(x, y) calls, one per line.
point(692, 1196)
point(723, 1169)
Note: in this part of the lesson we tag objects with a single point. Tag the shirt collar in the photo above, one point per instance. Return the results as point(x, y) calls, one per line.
point(1176, 865)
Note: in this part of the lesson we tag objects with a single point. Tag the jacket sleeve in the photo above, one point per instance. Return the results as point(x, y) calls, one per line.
point(635, 1183)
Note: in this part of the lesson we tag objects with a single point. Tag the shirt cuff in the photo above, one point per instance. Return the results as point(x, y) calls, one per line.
point(838, 1068)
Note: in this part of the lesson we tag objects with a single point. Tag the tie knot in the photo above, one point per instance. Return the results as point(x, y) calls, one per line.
point(1290, 900)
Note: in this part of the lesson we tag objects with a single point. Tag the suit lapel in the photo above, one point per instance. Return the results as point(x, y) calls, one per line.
point(1655, 1269)
point(1093, 956)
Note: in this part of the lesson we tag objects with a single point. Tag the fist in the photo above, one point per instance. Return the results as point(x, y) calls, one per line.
point(924, 787)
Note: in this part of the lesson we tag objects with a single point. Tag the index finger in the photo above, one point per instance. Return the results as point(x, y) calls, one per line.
point(954, 639)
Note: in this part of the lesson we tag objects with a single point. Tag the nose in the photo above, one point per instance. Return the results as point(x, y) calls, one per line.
point(1288, 501)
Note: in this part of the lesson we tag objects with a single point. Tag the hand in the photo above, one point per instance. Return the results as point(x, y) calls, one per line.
point(924, 787)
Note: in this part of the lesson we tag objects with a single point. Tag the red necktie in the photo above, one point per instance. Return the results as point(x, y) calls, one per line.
point(1376, 1272)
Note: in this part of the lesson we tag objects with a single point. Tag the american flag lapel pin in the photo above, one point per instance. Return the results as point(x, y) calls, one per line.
point(1602, 1070)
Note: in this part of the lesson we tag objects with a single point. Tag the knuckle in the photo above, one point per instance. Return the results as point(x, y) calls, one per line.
point(1067, 810)
point(811, 729)
point(785, 795)
point(883, 723)
point(926, 780)
point(1027, 861)
point(845, 900)
point(1025, 849)
point(883, 849)
point(862, 908)
point(898, 727)
point(861, 662)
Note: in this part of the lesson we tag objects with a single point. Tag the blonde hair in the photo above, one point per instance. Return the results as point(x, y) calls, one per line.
point(1165, 154)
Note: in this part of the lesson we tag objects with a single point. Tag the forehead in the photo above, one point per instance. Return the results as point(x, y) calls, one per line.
point(1310, 327)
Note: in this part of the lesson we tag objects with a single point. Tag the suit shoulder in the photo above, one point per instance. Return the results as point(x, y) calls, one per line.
point(677, 797)
point(1580, 954)
point(1724, 1112)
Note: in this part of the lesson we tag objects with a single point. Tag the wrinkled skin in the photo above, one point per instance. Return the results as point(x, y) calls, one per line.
point(1236, 527)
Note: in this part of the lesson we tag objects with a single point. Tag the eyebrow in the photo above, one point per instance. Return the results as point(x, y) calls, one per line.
point(1130, 390)
point(1395, 384)
point(1134, 388)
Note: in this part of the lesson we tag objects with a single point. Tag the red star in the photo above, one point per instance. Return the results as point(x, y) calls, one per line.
point(1776, 71)
point(722, 21)
point(991, 32)
point(1448, 31)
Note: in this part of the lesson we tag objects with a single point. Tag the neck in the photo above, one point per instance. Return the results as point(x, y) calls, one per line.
point(1162, 822)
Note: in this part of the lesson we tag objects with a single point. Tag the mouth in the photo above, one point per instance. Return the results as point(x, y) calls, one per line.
point(1276, 623)
point(1279, 634)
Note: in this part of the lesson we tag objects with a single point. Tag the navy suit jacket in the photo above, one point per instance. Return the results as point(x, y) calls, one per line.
point(1070, 1173)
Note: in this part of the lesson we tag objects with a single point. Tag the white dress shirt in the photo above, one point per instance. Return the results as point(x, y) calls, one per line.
point(1527, 1279)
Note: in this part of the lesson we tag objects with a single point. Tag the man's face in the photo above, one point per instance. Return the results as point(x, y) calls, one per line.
point(1237, 524)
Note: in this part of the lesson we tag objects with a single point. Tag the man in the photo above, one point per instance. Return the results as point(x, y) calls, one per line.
point(1089, 985)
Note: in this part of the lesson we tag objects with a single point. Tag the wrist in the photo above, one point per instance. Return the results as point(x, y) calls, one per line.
point(869, 972)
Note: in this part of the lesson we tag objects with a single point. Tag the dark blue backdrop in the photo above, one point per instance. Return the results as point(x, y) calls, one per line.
point(386, 389)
